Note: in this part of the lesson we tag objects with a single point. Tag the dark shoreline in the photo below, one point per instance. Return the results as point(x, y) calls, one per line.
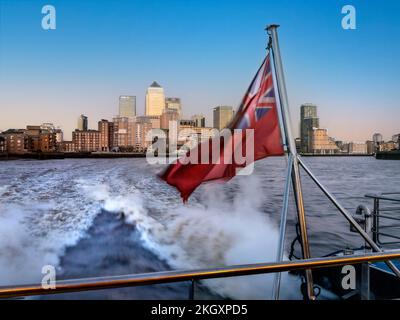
point(389, 155)
point(116, 155)
point(335, 155)
point(61, 156)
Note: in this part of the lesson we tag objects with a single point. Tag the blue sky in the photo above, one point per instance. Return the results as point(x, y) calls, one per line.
point(205, 52)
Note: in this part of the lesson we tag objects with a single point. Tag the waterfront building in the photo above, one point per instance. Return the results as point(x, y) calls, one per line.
point(142, 126)
point(68, 146)
point(185, 123)
point(121, 126)
point(41, 139)
point(396, 139)
point(48, 126)
point(357, 148)
point(155, 100)
point(370, 147)
point(127, 106)
point(174, 103)
point(59, 135)
point(205, 133)
point(377, 138)
point(32, 135)
point(308, 121)
point(130, 133)
point(16, 141)
point(82, 123)
point(47, 142)
point(3, 144)
point(186, 132)
point(199, 120)
point(222, 116)
point(191, 135)
point(155, 121)
point(106, 129)
point(31, 139)
point(167, 116)
point(86, 141)
point(189, 132)
point(321, 143)
point(339, 144)
point(388, 146)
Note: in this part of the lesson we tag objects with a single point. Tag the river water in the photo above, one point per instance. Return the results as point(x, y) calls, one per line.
point(102, 217)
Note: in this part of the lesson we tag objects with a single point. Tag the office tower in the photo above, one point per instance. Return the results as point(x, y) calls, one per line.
point(308, 121)
point(127, 106)
point(222, 116)
point(82, 123)
point(199, 121)
point(155, 100)
point(174, 103)
point(167, 116)
point(106, 130)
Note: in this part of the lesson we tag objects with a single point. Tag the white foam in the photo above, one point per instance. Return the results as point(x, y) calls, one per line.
point(44, 211)
point(40, 215)
point(197, 236)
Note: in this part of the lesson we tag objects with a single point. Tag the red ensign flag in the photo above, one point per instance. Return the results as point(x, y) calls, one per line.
point(257, 112)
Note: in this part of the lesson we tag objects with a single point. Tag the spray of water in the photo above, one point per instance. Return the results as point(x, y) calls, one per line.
point(41, 214)
point(223, 232)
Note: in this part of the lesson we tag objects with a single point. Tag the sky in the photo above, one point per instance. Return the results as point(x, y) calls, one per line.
point(206, 52)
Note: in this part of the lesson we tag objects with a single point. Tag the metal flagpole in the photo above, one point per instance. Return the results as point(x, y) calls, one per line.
point(282, 227)
point(284, 105)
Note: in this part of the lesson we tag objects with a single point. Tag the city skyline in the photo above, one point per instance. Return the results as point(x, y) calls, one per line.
point(100, 51)
point(83, 123)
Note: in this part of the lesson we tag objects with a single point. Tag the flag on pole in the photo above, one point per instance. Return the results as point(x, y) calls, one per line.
point(258, 113)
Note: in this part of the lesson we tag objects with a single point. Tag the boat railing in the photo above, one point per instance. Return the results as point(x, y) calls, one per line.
point(385, 218)
point(192, 276)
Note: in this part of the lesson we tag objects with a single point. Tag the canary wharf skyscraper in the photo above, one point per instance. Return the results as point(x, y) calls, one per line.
point(308, 121)
point(222, 116)
point(127, 106)
point(155, 100)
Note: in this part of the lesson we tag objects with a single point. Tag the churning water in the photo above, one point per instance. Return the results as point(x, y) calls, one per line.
point(104, 217)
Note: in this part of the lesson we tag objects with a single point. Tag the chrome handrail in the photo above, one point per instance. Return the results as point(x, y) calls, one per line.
point(132, 280)
point(349, 217)
point(377, 217)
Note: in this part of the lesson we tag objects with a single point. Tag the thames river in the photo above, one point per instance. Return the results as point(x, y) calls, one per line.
point(98, 217)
